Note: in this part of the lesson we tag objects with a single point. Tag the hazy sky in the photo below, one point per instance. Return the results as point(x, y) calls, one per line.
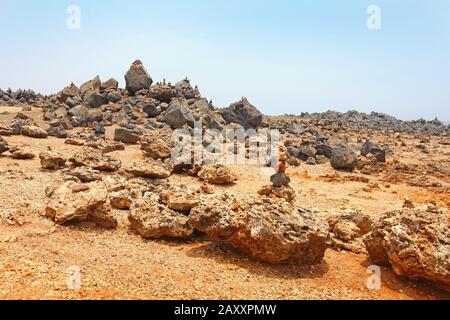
point(285, 56)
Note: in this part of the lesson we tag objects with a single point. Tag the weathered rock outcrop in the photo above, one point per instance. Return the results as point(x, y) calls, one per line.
point(95, 159)
point(265, 229)
point(52, 160)
point(150, 168)
point(157, 144)
point(154, 220)
point(415, 242)
point(347, 231)
point(80, 202)
point(217, 174)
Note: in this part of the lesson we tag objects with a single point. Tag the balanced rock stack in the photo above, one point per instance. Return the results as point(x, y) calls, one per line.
point(280, 181)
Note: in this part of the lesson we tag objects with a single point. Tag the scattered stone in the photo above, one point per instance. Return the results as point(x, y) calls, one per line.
point(217, 174)
point(127, 136)
point(120, 200)
point(34, 132)
point(75, 142)
point(184, 89)
point(21, 154)
point(83, 174)
point(3, 145)
point(157, 144)
point(95, 99)
point(94, 158)
point(91, 85)
point(371, 147)
point(180, 200)
point(408, 204)
point(150, 168)
point(51, 160)
point(110, 84)
point(347, 232)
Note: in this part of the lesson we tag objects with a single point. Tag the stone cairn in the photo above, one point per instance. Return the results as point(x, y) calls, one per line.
point(280, 181)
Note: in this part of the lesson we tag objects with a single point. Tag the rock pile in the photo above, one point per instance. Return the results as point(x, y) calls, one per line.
point(280, 181)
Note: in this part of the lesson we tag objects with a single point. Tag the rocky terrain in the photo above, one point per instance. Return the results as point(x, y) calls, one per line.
point(89, 179)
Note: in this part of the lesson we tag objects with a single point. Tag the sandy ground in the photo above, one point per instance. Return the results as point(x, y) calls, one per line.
point(35, 254)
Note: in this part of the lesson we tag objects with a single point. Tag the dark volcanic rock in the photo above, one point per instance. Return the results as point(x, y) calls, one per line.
point(137, 78)
point(110, 84)
point(95, 100)
point(243, 113)
point(179, 114)
point(371, 147)
point(184, 89)
point(127, 136)
point(343, 158)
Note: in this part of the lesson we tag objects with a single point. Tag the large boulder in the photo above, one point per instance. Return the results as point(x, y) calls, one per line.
point(95, 159)
point(80, 202)
point(153, 220)
point(415, 242)
point(243, 113)
point(274, 231)
point(137, 78)
point(343, 158)
point(179, 114)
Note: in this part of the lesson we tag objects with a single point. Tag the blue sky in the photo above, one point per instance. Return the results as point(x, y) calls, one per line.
point(285, 56)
